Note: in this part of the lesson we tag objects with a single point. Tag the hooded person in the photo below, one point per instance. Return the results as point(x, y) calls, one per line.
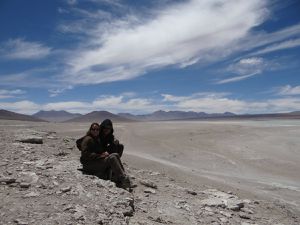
point(110, 143)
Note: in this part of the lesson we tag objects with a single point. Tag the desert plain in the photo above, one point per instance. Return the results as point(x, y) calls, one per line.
point(257, 161)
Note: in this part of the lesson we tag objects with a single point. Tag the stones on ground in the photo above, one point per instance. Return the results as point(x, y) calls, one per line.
point(7, 180)
point(30, 139)
point(20, 222)
point(191, 192)
point(66, 189)
point(213, 202)
point(234, 204)
point(150, 191)
point(244, 215)
point(148, 183)
point(25, 185)
point(32, 194)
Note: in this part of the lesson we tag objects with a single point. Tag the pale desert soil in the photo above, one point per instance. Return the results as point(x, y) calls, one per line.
point(258, 157)
point(255, 160)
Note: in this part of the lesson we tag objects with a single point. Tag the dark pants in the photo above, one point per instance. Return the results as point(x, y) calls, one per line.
point(116, 148)
point(102, 167)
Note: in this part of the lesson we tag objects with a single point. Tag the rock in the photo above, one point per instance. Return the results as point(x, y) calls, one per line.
point(148, 183)
point(223, 220)
point(31, 139)
point(65, 189)
point(25, 185)
point(32, 194)
point(227, 214)
point(20, 222)
point(128, 211)
point(234, 204)
point(149, 190)
point(213, 202)
point(244, 215)
point(246, 210)
point(191, 192)
point(7, 180)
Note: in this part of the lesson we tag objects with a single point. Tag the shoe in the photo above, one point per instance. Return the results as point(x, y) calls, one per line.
point(125, 182)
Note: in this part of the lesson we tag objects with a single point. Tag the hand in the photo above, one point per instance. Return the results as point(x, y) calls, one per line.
point(104, 154)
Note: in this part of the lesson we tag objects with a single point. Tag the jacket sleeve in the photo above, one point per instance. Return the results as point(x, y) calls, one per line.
point(87, 149)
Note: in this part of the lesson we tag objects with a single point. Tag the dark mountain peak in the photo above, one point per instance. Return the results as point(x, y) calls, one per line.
point(55, 115)
point(8, 115)
point(99, 116)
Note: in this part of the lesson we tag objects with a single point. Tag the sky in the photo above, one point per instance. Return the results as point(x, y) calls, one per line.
point(133, 56)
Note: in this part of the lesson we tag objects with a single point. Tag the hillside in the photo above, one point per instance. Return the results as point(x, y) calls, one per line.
point(98, 116)
point(8, 115)
point(56, 116)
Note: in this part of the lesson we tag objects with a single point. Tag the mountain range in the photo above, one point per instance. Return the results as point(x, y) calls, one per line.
point(8, 115)
point(56, 116)
point(98, 116)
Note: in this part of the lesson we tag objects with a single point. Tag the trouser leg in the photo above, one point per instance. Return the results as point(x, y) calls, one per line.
point(98, 168)
point(113, 160)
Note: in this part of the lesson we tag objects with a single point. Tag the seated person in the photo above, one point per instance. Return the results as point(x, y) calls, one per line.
point(97, 161)
point(107, 137)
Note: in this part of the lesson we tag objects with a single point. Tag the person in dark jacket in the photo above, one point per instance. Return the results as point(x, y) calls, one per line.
point(111, 144)
point(97, 161)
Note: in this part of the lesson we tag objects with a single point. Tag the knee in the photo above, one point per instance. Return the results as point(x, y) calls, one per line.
point(113, 157)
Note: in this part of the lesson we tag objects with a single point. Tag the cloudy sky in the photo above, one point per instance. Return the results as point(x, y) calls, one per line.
point(140, 56)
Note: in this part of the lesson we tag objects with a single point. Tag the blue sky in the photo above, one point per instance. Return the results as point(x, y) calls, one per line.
point(140, 56)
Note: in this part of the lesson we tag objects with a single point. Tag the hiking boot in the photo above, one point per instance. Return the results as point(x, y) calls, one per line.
point(124, 182)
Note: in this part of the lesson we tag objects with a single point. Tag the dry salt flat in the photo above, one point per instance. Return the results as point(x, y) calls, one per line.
point(186, 173)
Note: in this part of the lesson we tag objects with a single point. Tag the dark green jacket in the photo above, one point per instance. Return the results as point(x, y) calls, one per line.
point(91, 149)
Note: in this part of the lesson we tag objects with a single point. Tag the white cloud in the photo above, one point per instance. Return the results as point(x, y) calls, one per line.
point(279, 46)
point(26, 107)
point(199, 102)
point(55, 92)
point(11, 93)
point(179, 35)
point(246, 68)
point(220, 104)
point(21, 49)
point(236, 78)
point(289, 90)
point(257, 40)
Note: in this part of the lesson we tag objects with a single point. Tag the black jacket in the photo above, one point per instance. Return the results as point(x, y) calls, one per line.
point(91, 148)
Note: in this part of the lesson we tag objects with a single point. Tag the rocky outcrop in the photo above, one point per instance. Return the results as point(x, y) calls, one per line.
point(42, 184)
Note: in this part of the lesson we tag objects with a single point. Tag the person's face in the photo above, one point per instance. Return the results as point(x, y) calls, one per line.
point(106, 131)
point(95, 130)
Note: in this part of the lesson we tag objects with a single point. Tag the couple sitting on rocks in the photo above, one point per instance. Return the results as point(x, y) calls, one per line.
point(101, 152)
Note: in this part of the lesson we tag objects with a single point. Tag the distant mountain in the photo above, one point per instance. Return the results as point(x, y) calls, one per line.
point(174, 115)
point(99, 116)
point(8, 115)
point(56, 116)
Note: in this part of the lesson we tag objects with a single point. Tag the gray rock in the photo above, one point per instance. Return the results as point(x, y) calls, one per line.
point(7, 180)
point(66, 189)
point(227, 214)
point(244, 215)
point(213, 202)
point(148, 183)
point(234, 204)
point(150, 190)
point(31, 139)
point(20, 222)
point(25, 185)
point(191, 192)
point(128, 211)
point(32, 194)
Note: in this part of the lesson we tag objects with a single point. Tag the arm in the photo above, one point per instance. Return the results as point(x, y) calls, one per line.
point(87, 149)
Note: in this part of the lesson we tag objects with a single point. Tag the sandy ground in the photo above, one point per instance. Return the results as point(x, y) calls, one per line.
point(253, 158)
